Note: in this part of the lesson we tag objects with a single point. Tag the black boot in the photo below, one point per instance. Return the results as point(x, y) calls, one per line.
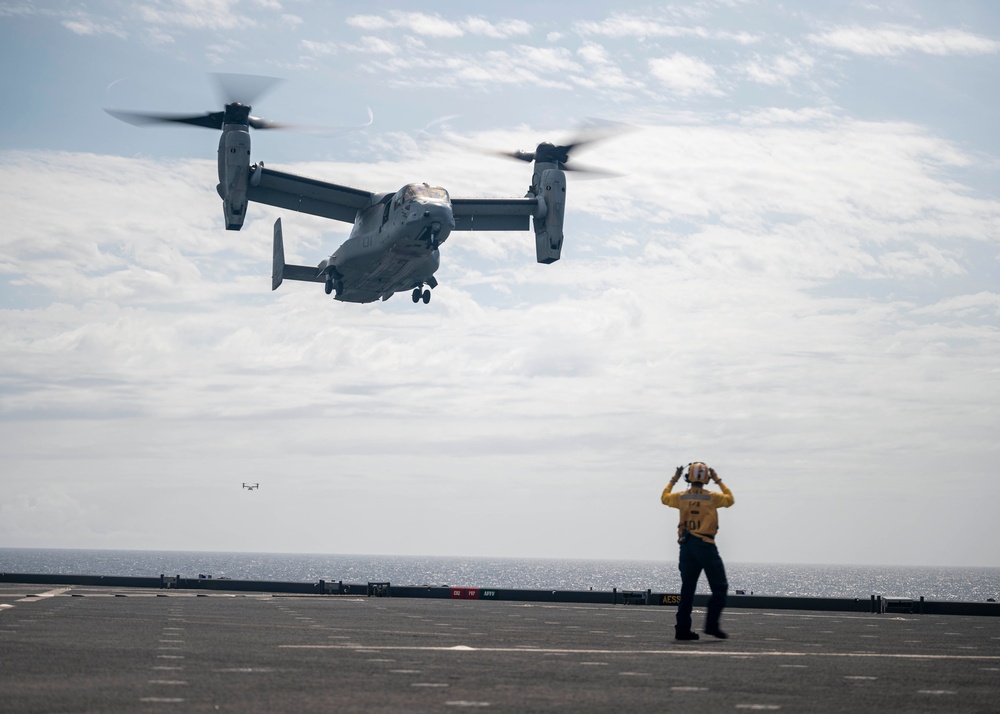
point(689, 635)
point(716, 632)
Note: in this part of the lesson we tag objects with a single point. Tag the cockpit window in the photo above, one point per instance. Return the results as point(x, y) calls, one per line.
point(422, 190)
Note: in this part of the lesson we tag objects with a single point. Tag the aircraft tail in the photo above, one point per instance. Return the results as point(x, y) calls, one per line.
point(278, 262)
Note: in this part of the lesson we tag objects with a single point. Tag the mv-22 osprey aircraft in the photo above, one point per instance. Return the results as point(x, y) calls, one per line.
point(395, 243)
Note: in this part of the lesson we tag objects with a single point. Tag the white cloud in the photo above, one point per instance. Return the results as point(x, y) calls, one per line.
point(741, 38)
point(435, 26)
point(922, 259)
point(20, 11)
point(594, 53)
point(894, 40)
point(630, 25)
point(220, 53)
point(155, 36)
point(778, 70)
point(851, 181)
point(765, 201)
point(376, 45)
point(87, 26)
point(521, 65)
point(502, 29)
point(370, 23)
point(428, 25)
point(987, 303)
point(603, 74)
point(207, 15)
point(685, 75)
point(619, 26)
point(547, 60)
point(319, 49)
point(774, 115)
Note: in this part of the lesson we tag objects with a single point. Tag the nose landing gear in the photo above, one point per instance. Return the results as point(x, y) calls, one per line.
point(430, 236)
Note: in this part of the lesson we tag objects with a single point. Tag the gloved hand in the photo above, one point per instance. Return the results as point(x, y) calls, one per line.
point(677, 474)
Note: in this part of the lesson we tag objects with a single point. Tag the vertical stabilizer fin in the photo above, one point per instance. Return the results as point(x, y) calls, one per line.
point(278, 263)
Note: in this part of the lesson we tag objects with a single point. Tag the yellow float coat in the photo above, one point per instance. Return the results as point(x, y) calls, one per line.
point(699, 510)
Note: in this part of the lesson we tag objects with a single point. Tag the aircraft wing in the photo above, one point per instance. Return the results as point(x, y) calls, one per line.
point(493, 214)
point(306, 195)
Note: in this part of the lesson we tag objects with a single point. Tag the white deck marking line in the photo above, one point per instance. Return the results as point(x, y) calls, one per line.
point(44, 595)
point(686, 652)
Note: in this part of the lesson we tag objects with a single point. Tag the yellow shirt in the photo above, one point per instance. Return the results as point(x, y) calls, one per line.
point(699, 510)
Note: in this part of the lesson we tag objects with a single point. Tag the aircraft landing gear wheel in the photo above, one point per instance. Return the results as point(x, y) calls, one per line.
point(427, 296)
point(329, 287)
point(416, 294)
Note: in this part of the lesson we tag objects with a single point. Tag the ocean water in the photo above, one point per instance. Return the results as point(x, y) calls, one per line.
point(933, 583)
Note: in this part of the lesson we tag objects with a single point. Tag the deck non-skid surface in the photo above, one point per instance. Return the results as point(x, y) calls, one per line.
point(105, 650)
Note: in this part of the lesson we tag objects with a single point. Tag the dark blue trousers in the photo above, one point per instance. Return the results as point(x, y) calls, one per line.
point(696, 556)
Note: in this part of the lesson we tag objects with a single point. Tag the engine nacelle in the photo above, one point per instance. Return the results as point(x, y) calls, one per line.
point(548, 223)
point(234, 172)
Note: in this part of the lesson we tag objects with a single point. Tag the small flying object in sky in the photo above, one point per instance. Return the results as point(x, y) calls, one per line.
point(251, 486)
point(395, 241)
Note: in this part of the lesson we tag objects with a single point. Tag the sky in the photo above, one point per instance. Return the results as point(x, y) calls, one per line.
point(794, 278)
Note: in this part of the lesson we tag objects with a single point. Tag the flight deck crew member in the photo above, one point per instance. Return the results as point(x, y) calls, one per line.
point(699, 522)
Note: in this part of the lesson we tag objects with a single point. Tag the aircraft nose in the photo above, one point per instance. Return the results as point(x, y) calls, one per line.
point(442, 215)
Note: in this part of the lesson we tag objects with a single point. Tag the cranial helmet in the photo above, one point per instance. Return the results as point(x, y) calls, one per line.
point(697, 473)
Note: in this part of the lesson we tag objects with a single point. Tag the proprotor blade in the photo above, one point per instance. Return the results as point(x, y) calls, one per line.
point(243, 88)
point(519, 155)
point(562, 155)
point(209, 120)
point(239, 91)
point(258, 123)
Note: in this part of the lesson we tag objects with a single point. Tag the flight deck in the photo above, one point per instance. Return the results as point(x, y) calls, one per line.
point(111, 649)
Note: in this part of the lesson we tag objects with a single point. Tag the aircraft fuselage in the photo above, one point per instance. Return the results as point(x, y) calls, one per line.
point(393, 245)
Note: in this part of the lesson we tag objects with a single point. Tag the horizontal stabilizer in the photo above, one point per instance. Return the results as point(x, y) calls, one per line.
point(280, 270)
point(309, 273)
